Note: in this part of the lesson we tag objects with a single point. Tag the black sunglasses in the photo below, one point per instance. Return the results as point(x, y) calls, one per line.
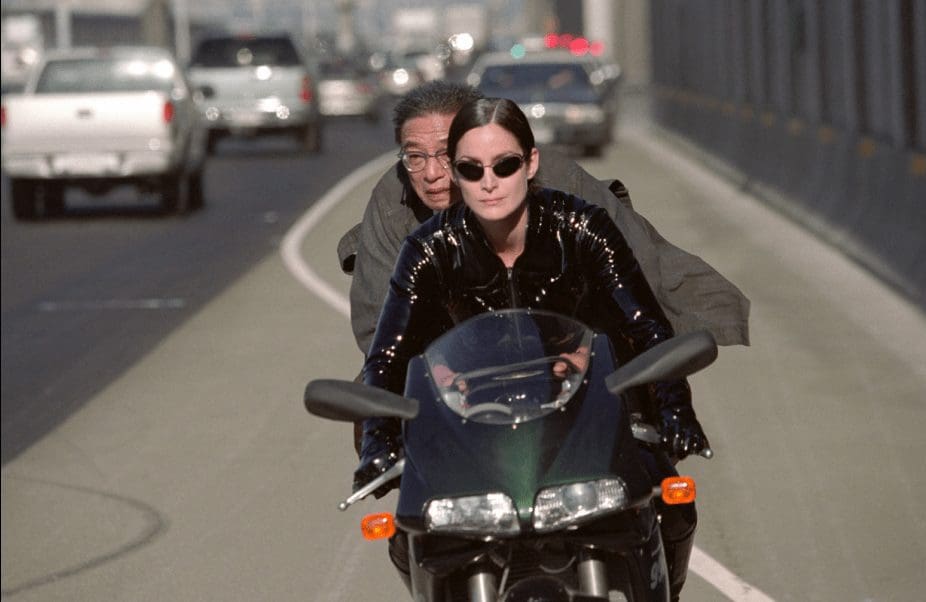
point(469, 170)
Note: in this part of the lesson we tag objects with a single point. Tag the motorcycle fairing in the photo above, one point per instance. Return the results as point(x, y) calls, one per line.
point(587, 439)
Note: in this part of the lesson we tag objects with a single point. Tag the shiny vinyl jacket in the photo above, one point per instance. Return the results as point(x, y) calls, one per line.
point(575, 262)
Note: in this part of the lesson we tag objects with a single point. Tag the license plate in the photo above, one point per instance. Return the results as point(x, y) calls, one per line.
point(245, 119)
point(86, 164)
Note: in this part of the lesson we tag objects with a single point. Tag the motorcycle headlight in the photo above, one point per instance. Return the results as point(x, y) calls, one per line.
point(489, 514)
point(557, 507)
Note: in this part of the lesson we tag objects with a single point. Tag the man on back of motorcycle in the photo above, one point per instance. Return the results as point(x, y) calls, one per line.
point(682, 434)
point(692, 294)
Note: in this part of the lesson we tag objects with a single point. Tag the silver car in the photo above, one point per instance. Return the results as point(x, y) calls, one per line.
point(257, 84)
point(565, 97)
point(347, 89)
point(400, 75)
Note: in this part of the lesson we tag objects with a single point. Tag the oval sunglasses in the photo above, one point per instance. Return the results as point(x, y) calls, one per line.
point(473, 172)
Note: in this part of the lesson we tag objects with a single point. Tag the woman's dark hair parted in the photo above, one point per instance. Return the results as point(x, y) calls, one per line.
point(484, 111)
point(436, 97)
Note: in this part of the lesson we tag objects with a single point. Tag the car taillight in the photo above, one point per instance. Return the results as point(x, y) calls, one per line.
point(305, 94)
point(168, 112)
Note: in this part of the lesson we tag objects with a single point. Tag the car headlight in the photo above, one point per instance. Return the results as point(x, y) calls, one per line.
point(537, 110)
point(584, 114)
point(489, 514)
point(401, 77)
point(556, 507)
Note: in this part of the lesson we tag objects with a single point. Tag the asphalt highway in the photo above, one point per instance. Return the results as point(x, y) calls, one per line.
point(196, 474)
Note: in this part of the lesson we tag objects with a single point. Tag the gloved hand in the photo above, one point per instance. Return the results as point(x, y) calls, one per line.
point(380, 448)
point(681, 432)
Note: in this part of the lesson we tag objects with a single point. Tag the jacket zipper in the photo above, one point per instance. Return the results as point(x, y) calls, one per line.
point(512, 290)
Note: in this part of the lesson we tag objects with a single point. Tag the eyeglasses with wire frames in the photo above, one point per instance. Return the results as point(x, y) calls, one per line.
point(418, 160)
point(504, 167)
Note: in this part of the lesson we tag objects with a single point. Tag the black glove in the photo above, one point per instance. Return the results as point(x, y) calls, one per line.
point(681, 432)
point(380, 448)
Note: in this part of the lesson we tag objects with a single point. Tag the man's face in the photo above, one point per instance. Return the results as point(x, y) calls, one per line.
point(428, 134)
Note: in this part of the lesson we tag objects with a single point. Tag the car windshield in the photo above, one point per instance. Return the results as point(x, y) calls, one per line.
point(551, 82)
point(510, 366)
point(106, 75)
point(245, 52)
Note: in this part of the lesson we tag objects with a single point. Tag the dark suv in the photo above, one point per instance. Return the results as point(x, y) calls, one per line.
point(256, 84)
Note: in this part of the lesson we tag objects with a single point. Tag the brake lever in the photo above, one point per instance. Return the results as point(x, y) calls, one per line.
point(648, 434)
point(392, 472)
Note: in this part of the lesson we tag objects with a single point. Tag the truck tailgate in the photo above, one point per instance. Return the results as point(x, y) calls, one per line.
point(104, 122)
point(249, 83)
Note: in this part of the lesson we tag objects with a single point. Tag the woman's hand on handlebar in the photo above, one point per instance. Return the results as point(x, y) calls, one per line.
point(681, 432)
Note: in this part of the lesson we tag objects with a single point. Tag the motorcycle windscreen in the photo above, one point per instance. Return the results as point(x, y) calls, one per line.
point(513, 402)
point(511, 366)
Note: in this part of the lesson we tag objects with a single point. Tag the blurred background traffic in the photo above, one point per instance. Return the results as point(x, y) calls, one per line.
point(820, 106)
point(431, 37)
point(256, 69)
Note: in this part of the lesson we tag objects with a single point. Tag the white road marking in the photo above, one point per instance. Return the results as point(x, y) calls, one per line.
point(721, 578)
point(700, 563)
point(107, 304)
point(291, 246)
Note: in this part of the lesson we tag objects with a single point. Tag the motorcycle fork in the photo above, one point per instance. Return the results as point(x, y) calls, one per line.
point(592, 574)
point(482, 587)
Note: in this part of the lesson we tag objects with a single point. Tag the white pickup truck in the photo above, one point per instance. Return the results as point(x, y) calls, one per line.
point(97, 118)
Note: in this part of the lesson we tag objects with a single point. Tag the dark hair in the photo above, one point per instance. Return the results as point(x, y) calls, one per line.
point(438, 96)
point(484, 111)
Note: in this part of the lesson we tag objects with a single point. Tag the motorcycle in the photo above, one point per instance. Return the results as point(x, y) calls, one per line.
point(522, 476)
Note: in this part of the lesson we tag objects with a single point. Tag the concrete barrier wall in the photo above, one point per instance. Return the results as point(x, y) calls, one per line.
point(749, 84)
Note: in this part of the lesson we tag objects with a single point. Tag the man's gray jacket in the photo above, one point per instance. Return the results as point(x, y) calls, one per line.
point(693, 295)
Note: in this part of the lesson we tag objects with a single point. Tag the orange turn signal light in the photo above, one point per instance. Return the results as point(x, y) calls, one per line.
point(678, 490)
point(377, 526)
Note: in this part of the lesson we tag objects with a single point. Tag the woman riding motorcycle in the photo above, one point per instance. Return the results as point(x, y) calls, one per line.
point(510, 244)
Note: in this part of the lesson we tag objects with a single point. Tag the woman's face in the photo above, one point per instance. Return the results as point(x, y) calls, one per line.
point(493, 197)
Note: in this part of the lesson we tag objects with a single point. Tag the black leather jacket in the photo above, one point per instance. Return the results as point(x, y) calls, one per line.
point(575, 262)
point(693, 295)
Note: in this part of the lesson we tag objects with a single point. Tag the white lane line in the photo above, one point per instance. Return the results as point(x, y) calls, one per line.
point(720, 577)
point(106, 304)
point(701, 564)
point(291, 246)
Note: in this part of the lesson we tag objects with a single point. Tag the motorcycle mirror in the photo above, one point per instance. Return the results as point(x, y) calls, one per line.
point(675, 358)
point(349, 401)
